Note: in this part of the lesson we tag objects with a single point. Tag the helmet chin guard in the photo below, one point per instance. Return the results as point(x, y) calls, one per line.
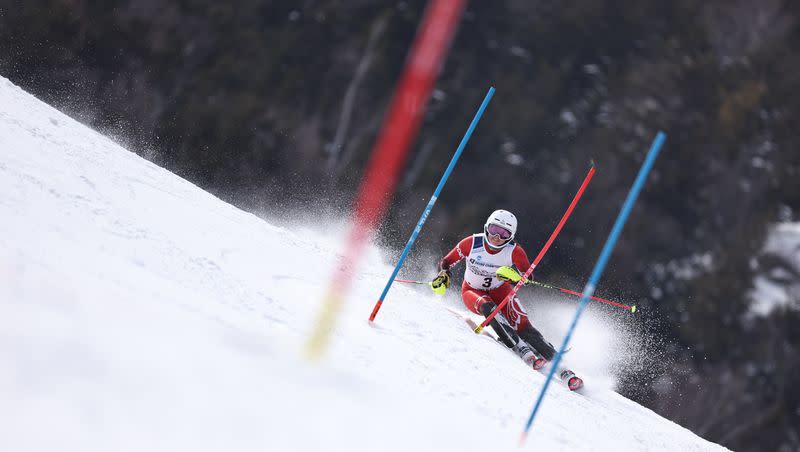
point(505, 220)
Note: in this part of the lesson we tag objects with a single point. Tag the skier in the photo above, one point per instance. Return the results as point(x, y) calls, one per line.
point(493, 263)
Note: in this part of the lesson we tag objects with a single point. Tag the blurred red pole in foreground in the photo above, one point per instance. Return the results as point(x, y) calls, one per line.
point(399, 128)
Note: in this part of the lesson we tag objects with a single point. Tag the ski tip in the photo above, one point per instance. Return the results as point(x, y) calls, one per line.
point(478, 329)
point(575, 384)
point(633, 308)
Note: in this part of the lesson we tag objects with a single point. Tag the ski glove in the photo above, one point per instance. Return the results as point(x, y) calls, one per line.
point(441, 282)
point(509, 274)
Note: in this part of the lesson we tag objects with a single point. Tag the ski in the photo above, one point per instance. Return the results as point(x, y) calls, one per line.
point(572, 381)
point(566, 376)
point(472, 323)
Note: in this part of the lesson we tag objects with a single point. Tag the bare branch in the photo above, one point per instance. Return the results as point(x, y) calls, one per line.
point(335, 147)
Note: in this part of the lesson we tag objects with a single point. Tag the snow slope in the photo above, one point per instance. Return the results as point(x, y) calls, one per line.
point(138, 312)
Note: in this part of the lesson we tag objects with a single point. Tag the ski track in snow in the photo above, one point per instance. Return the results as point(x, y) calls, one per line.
point(138, 312)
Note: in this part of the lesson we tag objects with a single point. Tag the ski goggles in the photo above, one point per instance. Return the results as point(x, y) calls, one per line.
point(499, 231)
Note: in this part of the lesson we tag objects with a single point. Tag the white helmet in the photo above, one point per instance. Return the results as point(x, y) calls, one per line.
point(505, 220)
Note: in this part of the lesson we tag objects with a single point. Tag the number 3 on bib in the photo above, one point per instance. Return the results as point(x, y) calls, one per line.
point(487, 282)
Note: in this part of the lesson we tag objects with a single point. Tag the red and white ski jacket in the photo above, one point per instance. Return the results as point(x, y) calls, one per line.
point(483, 262)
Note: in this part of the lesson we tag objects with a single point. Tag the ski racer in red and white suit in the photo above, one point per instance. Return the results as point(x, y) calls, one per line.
point(482, 289)
point(489, 287)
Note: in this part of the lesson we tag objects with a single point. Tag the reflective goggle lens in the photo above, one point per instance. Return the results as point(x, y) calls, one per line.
point(494, 229)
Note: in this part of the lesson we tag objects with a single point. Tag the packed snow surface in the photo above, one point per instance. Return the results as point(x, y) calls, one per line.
point(140, 313)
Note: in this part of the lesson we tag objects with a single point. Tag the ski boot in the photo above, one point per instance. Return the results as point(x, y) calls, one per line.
point(573, 381)
point(527, 354)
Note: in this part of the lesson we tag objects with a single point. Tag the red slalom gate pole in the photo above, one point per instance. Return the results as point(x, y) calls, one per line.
point(541, 254)
point(399, 127)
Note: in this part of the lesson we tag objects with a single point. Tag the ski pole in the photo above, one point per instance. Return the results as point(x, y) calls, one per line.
point(601, 300)
point(599, 267)
point(408, 281)
point(432, 201)
point(541, 253)
point(631, 308)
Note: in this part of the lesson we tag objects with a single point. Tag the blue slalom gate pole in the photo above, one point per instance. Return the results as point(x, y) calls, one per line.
point(600, 266)
point(432, 201)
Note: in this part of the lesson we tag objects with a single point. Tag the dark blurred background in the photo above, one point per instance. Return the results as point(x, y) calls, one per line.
point(274, 106)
